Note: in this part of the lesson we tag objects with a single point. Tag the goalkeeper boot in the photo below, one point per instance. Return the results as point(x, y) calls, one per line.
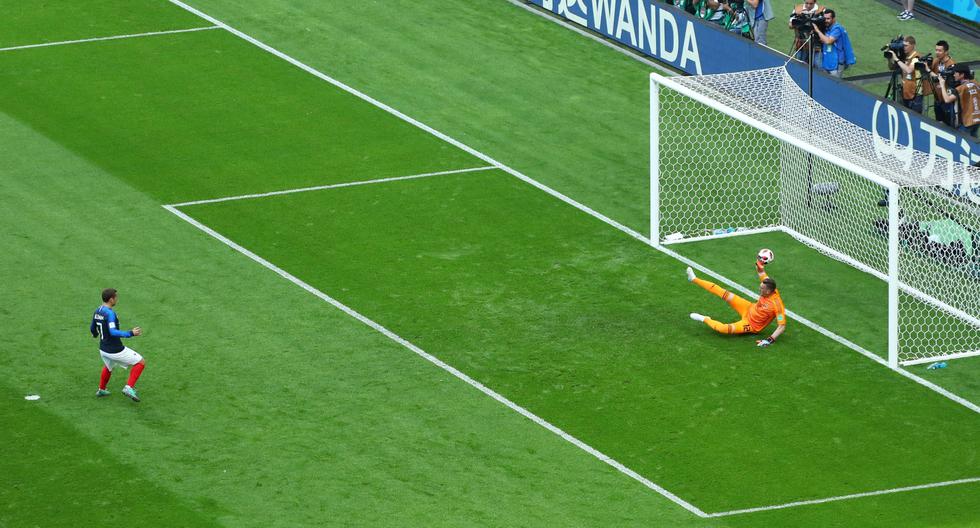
point(102, 393)
point(690, 274)
point(130, 393)
point(698, 317)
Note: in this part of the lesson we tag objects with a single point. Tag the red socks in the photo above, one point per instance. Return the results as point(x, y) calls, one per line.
point(134, 374)
point(105, 378)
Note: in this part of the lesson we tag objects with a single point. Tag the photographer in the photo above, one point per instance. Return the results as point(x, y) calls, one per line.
point(942, 65)
point(837, 53)
point(968, 94)
point(800, 22)
point(909, 63)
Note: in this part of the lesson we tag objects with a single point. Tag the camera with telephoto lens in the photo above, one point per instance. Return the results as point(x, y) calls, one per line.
point(897, 45)
point(803, 22)
point(948, 78)
point(923, 64)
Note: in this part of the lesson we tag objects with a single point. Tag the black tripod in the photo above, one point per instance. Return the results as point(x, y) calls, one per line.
point(892, 91)
point(808, 45)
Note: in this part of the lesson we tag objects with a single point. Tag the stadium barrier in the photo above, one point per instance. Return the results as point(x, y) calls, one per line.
point(967, 9)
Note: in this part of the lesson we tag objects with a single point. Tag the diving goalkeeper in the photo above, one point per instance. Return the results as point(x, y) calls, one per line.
point(755, 317)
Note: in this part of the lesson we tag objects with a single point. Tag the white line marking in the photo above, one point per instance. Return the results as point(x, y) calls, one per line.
point(677, 500)
point(114, 37)
point(334, 186)
point(845, 497)
point(439, 363)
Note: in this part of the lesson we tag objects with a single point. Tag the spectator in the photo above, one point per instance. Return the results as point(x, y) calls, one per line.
point(729, 14)
point(760, 13)
point(942, 64)
point(711, 10)
point(686, 5)
point(968, 94)
point(907, 13)
point(807, 8)
point(837, 52)
point(911, 76)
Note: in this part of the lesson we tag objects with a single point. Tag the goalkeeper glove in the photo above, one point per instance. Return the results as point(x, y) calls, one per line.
point(760, 266)
point(764, 342)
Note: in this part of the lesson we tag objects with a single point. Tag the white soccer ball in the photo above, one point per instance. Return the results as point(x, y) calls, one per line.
point(766, 256)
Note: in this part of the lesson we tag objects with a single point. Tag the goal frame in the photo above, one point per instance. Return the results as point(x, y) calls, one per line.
point(891, 278)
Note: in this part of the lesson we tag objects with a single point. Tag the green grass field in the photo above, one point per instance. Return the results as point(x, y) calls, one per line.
point(266, 406)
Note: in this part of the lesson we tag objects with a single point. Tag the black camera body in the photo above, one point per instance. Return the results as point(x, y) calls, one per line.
point(803, 23)
point(924, 63)
point(948, 78)
point(897, 45)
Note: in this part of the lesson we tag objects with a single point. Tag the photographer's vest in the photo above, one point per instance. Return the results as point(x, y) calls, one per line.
point(910, 81)
point(969, 102)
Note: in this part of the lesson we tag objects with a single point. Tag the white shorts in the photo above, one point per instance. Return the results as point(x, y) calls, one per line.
point(126, 358)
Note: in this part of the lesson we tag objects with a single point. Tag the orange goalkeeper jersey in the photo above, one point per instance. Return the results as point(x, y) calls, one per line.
point(765, 310)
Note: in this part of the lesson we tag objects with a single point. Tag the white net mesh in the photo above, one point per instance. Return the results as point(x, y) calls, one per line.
point(786, 162)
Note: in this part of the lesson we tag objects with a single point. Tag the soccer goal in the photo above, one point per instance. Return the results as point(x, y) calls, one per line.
point(750, 152)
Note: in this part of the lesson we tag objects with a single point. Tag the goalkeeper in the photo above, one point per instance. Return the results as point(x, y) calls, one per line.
point(755, 317)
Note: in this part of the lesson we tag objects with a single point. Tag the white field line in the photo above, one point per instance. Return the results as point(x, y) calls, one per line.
point(333, 186)
point(114, 37)
point(677, 500)
point(439, 363)
point(845, 497)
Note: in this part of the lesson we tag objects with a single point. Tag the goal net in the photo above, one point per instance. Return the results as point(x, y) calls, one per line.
point(750, 152)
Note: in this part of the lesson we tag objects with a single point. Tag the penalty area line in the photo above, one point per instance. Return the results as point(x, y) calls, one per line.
point(556, 194)
point(845, 497)
point(333, 186)
point(114, 37)
point(439, 363)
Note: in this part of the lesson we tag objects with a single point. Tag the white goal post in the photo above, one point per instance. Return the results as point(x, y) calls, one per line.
point(750, 152)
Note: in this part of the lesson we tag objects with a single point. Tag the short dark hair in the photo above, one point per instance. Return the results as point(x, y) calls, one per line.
point(910, 39)
point(769, 282)
point(830, 12)
point(943, 44)
point(108, 293)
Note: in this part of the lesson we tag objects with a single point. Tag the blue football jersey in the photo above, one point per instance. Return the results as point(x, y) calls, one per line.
point(105, 326)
